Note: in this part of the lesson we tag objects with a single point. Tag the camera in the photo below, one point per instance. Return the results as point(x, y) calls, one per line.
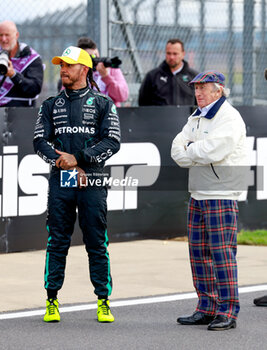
point(3, 62)
point(114, 62)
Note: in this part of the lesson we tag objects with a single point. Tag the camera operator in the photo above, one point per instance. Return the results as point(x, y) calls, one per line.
point(21, 69)
point(110, 80)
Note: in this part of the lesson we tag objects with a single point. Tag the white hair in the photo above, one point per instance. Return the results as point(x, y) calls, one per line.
point(225, 91)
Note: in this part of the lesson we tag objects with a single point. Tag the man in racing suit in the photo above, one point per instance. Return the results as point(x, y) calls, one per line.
point(75, 132)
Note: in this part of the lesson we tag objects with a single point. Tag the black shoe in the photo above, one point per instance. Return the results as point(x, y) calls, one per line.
point(222, 323)
point(197, 318)
point(261, 301)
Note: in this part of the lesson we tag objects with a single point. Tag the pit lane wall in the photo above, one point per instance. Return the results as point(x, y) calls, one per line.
point(156, 207)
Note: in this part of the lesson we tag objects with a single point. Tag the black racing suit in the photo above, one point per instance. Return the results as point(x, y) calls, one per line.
point(84, 123)
point(161, 87)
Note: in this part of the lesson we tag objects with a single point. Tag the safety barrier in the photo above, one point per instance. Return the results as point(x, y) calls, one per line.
point(153, 207)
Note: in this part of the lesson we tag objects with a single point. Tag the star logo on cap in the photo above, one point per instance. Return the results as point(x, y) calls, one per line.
point(67, 52)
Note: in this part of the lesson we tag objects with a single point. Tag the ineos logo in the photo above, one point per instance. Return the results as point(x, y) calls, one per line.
point(60, 102)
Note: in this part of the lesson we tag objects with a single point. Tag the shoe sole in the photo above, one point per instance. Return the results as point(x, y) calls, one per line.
point(222, 329)
point(105, 321)
point(195, 324)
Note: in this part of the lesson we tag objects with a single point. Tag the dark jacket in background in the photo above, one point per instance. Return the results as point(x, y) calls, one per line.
point(160, 87)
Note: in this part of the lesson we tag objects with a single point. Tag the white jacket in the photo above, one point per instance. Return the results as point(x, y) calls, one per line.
point(217, 151)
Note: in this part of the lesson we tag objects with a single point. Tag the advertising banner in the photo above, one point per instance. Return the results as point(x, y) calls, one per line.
point(147, 195)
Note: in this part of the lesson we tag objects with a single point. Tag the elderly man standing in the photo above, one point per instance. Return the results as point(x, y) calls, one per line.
point(212, 146)
point(22, 81)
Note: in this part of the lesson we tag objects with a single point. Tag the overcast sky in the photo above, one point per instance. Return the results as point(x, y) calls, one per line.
point(216, 11)
point(20, 10)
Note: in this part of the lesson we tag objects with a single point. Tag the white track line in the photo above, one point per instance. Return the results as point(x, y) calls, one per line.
point(140, 301)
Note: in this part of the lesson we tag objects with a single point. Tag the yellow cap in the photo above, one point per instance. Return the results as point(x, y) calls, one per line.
point(74, 55)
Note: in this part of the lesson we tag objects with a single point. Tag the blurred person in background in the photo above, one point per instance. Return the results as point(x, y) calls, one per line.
point(168, 83)
point(110, 80)
point(213, 146)
point(22, 81)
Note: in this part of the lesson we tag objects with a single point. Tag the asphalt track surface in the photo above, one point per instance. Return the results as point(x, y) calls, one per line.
point(140, 324)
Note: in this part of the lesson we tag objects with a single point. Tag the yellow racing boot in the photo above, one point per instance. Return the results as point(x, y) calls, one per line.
point(103, 311)
point(52, 313)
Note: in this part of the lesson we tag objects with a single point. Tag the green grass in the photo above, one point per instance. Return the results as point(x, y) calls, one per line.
point(257, 237)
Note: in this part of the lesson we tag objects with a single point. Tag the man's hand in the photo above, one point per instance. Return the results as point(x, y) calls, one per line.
point(81, 177)
point(103, 71)
point(66, 161)
point(10, 71)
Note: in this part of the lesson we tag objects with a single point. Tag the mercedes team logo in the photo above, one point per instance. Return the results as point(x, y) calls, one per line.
point(60, 102)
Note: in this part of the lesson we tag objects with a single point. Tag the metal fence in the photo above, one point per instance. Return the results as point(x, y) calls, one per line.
point(227, 35)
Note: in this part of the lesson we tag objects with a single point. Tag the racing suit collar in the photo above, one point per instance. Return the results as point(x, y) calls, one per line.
point(73, 94)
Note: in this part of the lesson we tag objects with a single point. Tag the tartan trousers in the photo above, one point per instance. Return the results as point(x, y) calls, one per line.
point(212, 235)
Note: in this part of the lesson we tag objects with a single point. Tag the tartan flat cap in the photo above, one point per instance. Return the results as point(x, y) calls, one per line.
point(209, 77)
